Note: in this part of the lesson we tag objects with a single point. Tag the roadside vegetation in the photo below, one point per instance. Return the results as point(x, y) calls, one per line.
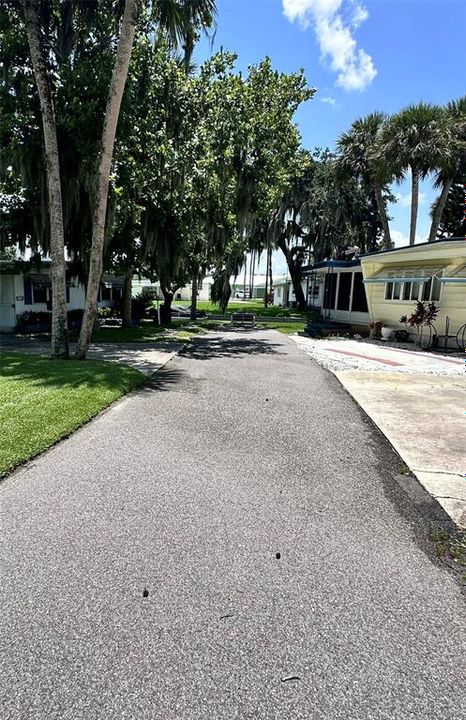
point(451, 547)
point(44, 400)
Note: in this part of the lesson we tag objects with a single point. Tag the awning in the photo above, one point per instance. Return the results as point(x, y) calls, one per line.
point(457, 276)
point(406, 274)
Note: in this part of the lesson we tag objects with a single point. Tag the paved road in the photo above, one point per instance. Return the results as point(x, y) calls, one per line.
point(242, 448)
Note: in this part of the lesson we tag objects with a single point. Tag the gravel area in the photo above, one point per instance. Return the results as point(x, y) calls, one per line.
point(337, 354)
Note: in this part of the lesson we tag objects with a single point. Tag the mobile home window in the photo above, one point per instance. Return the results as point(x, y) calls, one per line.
point(407, 287)
point(435, 290)
point(413, 290)
point(41, 292)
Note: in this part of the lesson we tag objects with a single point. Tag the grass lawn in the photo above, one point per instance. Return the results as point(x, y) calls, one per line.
point(44, 400)
point(147, 332)
point(283, 327)
point(179, 331)
point(254, 306)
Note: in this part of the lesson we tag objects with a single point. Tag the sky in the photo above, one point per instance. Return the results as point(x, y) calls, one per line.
point(361, 56)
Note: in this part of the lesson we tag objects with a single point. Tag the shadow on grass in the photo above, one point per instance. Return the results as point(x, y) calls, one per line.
point(44, 372)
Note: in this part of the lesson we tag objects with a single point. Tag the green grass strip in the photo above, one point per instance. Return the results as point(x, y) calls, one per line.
point(43, 400)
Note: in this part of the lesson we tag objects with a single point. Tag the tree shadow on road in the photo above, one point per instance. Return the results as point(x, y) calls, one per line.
point(206, 348)
point(164, 380)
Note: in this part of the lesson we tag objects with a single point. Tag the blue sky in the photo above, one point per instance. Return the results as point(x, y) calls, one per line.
point(361, 55)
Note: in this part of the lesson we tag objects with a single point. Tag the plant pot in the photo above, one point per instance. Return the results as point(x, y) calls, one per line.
point(386, 333)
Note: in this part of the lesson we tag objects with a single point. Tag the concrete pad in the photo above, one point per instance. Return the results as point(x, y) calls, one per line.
point(145, 358)
point(423, 418)
point(455, 509)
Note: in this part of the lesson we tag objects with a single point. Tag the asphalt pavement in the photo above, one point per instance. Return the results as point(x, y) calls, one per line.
point(234, 540)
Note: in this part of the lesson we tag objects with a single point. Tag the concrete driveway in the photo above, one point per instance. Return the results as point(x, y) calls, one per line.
point(140, 575)
point(417, 399)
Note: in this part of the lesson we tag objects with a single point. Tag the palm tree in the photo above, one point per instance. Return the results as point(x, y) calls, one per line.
point(454, 156)
point(413, 140)
point(38, 50)
point(357, 147)
point(181, 21)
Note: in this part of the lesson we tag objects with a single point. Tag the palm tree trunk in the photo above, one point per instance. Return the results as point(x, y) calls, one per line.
point(414, 205)
point(117, 86)
point(387, 240)
point(127, 295)
point(59, 340)
point(438, 209)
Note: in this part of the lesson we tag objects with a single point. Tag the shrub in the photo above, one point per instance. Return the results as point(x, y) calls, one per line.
point(376, 329)
point(31, 317)
point(104, 312)
point(423, 317)
point(140, 307)
point(401, 335)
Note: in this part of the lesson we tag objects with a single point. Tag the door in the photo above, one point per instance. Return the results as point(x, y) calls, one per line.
point(7, 301)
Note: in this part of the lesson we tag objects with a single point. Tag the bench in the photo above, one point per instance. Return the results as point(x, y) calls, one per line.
point(243, 318)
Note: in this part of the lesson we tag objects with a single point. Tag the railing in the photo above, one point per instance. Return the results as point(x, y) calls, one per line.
point(260, 319)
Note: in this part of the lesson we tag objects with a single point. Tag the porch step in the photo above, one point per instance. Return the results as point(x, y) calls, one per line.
point(325, 327)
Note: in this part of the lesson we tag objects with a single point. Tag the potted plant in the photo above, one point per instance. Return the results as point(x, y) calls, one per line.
point(375, 330)
point(386, 332)
point(423, 318)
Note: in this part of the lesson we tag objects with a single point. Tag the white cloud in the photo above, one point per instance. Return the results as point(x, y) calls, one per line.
point(354, 66)
point(359, 15)
point(400, 239)
point(330, 101)
point(405, 200)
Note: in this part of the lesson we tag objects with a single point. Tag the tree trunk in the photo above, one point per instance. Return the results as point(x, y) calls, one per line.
point(59, 340)
point(166, 307)
point(117, 86)
point(194, 296)
point(127, 295)
point(253, 269)
point(387, 240)
point(295, 274)
point(270, 273)
point(245, 274)
point(438, 209)
point(268, 287)
point(414, 205)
